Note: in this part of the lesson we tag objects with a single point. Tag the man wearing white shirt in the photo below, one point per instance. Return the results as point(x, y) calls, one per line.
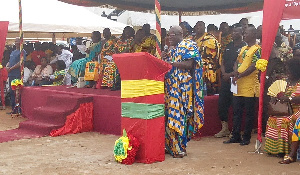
point(28, 70)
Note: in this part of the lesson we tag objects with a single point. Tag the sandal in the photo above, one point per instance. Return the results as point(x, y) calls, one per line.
point(184, 153)
point(287, 160)
point(179, 155)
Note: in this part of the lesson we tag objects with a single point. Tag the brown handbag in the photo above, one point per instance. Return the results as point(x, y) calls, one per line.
point(279, 108)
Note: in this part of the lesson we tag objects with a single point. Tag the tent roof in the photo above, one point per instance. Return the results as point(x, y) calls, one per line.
point(55, 16)
point(139, 18)
point(178, 5)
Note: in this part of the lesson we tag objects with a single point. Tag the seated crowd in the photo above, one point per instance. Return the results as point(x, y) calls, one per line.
point(228, 56)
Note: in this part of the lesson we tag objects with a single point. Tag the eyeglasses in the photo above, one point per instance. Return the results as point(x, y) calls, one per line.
point(174, 34)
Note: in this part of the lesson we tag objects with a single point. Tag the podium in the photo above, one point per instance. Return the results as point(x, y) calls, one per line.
point(142, 97)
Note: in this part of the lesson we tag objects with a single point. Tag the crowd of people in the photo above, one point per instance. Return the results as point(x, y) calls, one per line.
point(205, 61)
point(225, 61)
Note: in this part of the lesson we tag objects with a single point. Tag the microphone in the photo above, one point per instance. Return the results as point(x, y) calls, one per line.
point(166, 48)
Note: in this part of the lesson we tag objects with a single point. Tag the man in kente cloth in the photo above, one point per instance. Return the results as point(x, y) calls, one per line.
point(183, 93)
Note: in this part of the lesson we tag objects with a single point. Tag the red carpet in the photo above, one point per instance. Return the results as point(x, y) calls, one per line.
point(48, 117)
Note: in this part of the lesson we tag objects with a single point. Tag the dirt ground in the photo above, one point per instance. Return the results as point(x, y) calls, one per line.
point(92, 153)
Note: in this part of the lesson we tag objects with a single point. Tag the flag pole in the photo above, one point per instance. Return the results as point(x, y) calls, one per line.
point(21, 41)
point(158, 28)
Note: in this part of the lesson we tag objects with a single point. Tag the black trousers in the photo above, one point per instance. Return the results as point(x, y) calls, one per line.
point(225, 100)
point(239, 104)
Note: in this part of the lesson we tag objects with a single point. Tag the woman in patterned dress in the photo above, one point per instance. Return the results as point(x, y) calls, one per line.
point(294, 65)
point(279, 130)
point(108, 50)
point(77, 68)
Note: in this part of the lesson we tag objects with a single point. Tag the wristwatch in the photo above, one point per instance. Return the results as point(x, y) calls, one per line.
point(290, 98)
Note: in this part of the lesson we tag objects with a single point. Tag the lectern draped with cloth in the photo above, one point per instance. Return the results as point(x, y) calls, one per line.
point(142, 93)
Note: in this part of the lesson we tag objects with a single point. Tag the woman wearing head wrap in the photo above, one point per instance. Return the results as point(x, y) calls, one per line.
point(283, 132)
point(187, 30)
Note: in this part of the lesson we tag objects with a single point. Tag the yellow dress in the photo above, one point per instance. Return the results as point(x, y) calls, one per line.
point(209, 49)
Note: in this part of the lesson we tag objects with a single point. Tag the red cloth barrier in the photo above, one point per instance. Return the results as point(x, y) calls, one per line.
point(3, 78)
point(106, 111)
point(212, 123)
point(149, 134)
point(79, 121)
point(107, 108)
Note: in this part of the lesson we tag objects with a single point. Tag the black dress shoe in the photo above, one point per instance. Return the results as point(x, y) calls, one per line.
point(11, 113)
point(232, 141)
point(245, 142)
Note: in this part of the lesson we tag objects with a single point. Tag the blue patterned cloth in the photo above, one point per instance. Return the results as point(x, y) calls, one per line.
point(183, 97)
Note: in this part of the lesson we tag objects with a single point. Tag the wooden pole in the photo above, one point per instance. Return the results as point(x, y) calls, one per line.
point(53, 38)
point(21, 41)
point(158, 28)
point(180, 15)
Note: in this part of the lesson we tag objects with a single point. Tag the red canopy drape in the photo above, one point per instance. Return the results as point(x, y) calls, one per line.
point(3, 33)
point(273, 13)
point(291, 9)
point(230, 6)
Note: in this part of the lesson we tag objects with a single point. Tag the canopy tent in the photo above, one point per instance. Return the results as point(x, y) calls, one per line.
point(178, 5)
point(285, 9)
point(52, 16)
point(173, 5)
point(139, 18)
